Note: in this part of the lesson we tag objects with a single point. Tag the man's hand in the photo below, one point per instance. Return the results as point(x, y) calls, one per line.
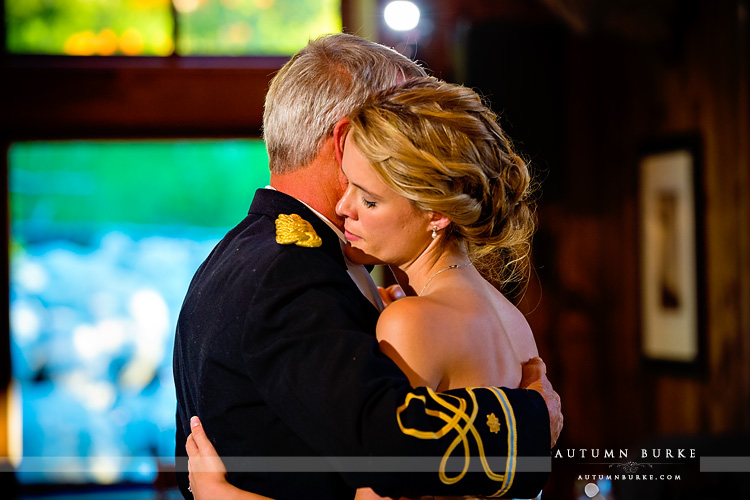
point(535, 378)
point(391, 294)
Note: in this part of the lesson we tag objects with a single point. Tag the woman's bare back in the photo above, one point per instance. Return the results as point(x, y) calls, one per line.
point(463, 334)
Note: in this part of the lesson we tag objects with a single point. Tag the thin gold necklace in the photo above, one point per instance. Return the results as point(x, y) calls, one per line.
point(454, 266)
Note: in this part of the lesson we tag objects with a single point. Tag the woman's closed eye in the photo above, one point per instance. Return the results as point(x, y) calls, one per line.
point(367, 203)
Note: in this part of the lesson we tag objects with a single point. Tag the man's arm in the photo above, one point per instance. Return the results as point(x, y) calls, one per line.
point(534, 373)
point(313, 364)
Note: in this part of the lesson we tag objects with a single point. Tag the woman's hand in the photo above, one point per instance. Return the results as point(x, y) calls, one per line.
point(391, 294)
point(207, 473)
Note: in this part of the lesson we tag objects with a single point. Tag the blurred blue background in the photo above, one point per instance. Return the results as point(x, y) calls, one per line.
point(105, 237)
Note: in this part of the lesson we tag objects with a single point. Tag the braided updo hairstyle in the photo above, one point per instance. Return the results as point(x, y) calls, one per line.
point(439, 146)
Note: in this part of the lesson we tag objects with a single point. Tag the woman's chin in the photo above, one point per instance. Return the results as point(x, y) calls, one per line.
point(358, 256)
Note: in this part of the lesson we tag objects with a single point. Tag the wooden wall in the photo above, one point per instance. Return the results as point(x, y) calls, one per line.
point(620, 95)
point(707, 90)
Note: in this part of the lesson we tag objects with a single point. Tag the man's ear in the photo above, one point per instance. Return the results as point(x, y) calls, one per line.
point(339, 137)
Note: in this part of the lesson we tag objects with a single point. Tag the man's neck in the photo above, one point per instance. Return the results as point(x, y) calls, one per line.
point(317, 184)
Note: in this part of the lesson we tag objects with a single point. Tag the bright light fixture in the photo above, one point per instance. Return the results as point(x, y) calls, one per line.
point(401, 16)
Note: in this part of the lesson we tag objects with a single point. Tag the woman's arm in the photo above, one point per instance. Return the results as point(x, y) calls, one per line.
point(207, 472)
point(369, 494)
point(208, 475)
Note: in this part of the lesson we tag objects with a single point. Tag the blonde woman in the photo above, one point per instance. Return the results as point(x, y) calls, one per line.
point(436, 191)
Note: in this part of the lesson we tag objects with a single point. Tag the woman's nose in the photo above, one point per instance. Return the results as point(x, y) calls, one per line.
point(343, 207)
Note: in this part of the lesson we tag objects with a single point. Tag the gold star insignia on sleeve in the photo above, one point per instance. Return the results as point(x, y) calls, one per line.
point(493, 423)
point(294, 229)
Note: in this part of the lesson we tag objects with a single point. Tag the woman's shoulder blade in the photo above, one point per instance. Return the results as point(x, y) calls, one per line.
point(404, 315)
point(419, 320)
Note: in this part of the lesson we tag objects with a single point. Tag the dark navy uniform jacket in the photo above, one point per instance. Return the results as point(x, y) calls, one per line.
point(275, 351)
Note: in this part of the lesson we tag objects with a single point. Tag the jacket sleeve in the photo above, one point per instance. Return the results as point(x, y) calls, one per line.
point(314, 364)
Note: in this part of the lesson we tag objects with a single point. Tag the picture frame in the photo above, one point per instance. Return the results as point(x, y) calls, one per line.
point(671, 254)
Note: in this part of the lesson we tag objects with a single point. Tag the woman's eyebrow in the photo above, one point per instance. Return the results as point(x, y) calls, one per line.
point(370, 193)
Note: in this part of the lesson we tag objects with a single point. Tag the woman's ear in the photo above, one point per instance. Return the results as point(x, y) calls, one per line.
point(439, 221)
point(339, 137)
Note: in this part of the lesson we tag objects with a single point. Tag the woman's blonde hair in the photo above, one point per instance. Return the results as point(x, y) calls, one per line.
point(439, 146)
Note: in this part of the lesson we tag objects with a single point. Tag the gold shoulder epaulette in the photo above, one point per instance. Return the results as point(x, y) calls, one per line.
point(294, 229)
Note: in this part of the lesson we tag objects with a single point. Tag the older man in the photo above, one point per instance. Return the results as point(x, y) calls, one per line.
point(275, 347)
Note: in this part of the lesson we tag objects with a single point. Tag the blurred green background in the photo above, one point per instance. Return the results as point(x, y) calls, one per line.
point(147, 27)
point(75, 189)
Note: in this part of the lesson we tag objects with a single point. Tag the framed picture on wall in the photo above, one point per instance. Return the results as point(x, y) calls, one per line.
point(671, 253)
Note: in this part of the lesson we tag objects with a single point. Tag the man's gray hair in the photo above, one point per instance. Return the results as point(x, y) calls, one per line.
point(321, 84)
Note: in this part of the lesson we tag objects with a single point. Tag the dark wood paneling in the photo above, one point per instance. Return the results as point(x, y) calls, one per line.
point(53, 97)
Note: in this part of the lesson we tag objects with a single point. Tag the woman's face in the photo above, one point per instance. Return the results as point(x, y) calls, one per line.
point(378, 221)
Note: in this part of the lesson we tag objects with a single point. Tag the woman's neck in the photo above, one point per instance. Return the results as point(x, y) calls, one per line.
point(414, 276)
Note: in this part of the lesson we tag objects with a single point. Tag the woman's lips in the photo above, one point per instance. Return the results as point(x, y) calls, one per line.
point(351, 236)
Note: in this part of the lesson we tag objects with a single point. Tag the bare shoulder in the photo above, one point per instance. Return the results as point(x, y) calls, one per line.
point(410, 317)
point(403, 332)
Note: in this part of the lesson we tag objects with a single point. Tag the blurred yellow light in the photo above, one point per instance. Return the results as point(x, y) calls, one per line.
point(106, 470)
point(81, 44)
point(265, 4)
point(163, 47)
point(231, 4)
point(106, 42)
point(240, 33)
point(131, 42)
point(186, 6)
point(15, 425)
point(147, 4)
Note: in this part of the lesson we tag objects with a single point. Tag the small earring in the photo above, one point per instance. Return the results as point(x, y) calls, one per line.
point(434, 232)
